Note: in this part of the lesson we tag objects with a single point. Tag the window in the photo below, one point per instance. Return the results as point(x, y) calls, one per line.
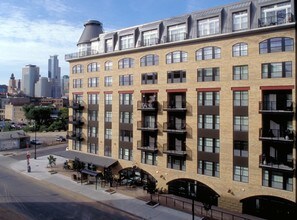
point(177, 32)
point(126, 136)
point(108, 81)
point(126, 63)
point(276, 14)
point(210, 145)
point(150, 37)
point(149, 78)
point(208, 74)
point(177, 57)
point(93, 82)
point(208, 53)
point(241, 174)
point(209, 122)
point(126, 99)
point(108, 66)
point(240, 72)
point(176, 76)
point(92, 115)
point(93, 67)
point(240, 149)
point(149, 60)
point(277, 44)
point(108, 45)
point(208, 168)
point(76, 145)
point(240, 49)
point(175, 162)
point(208, 98)
point(126, 117)
point(126, 80)
point(92, 131)
point(108, 133)
point(148, 158)
point(93, 98)
point(92, 148)
point(78, 68)
point(125, 154)
point(108, 99)
point(241, 123)
point(108, 116)
point(77, 83)
point(240, 98)
point(127, 42)
point(208, 26)
point(240, 20)
point(107, 151)
point(277, 70)
point(277, 180)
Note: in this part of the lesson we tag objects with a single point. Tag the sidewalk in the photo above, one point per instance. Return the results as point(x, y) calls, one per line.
point(137, 207)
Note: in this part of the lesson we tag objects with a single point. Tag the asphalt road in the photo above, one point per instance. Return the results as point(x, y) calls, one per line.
point(22, 197)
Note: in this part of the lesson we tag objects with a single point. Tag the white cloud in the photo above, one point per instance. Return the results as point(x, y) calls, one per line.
point(26, 41)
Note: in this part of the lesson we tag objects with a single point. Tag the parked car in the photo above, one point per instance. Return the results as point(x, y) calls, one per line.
point(61, 139)
point(37, 142)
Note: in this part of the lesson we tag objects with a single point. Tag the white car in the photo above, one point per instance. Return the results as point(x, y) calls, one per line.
point(37, 142)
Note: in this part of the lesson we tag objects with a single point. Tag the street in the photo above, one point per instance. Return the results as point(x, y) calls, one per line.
point(23, 197)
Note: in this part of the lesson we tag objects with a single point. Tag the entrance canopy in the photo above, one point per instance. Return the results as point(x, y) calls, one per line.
point(87, 158)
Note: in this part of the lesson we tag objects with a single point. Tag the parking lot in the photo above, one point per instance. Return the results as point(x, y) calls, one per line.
point(47, 138)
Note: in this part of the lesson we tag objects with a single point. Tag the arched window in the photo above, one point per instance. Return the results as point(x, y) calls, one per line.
point(108, 65)
point(208, 53)
point(240, 49)
point(78, 68)
point(276, 44)
point(149, 60)
point(93, 67)
point(126, 63)
point(177, 57)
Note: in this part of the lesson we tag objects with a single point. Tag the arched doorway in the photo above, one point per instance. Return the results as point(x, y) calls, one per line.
point(135, 176)
point(269, 207)
point(190, 188)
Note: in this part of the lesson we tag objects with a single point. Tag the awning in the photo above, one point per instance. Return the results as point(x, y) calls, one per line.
point(90, 172)
point(87, 158)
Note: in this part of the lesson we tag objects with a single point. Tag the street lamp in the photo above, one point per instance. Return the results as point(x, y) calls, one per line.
point(35, 140)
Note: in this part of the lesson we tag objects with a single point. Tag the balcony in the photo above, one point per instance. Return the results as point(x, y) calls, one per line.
point(176, 37)
point(175, 106)
point(76, 136)
point(175, 150)
point(276, 135)
point(175, 128)
point(77, 121)
point(276, 20)
point(147, 126)
point(276, 107)
point(272, 163)
point(80, 54)
point(149, 42)
point(147, 106)
point(76, 105)
point(152, 147)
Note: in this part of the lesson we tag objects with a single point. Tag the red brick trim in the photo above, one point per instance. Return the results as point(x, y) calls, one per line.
point(149, 91)
point(176, 90)
point(126, 91)
point(289, 87)
point(240, 88)
point(93, 92)
point(108, 92)
point(217, 89)
point(78, 93)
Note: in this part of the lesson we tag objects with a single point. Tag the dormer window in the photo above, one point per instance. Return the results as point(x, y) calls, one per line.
point(177, 32)
point(108, 45)
point(208, 26)
point(126, 42)
point(240, 20)
point(150, 37)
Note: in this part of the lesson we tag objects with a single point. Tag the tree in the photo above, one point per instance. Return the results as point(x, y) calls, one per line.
point(41, 115)
point(51, 161)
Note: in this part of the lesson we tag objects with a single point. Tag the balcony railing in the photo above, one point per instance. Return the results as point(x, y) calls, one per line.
point(147, 126)
point(275, 20)
point(149, 42)
point(175, 128)
point(78, 121)
point(80, 54)
point(277, 107)
point(77, 136)
point(76, 105)
point(152, 147)
point(176, 37)
point(272, 163)
point(276, 134)
point(175, 106)
point(175, 150)
point(147, 106)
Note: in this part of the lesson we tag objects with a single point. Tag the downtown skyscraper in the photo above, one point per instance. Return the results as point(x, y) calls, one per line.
point(54, 75)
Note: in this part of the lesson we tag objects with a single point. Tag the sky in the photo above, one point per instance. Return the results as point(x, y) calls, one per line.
point(33, 30)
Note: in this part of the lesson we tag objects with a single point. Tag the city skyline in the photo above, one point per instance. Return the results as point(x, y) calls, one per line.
point(37, 29)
